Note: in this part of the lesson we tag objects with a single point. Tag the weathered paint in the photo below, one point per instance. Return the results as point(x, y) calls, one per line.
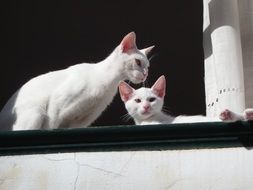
point(216, 169)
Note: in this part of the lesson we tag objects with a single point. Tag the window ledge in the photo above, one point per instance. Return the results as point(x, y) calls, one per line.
point(121, 138)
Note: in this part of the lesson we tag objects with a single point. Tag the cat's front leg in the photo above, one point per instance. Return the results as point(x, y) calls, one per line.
point(29, 119)
point(65, 111)
point(54, 117)
point(229, 116)
point(61, 105)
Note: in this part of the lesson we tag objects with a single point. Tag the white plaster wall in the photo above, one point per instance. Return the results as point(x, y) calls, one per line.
point(216, 169)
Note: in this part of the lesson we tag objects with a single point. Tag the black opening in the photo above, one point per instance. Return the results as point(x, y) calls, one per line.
point(50, 35)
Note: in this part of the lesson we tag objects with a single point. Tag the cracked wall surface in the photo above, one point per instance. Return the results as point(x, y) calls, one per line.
point(219, 169)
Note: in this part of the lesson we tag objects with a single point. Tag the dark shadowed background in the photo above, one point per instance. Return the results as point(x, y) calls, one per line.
point(45, 35)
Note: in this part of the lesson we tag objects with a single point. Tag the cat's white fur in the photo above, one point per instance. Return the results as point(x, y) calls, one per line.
point(76, 96)
point(145, 105)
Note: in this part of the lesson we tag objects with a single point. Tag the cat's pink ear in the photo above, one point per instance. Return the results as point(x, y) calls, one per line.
point(125, 91)
point(147, 50)
point(159, 87)
point(128, 43)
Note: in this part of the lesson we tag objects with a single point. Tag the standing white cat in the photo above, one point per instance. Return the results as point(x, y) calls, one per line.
point(76, 96)
point(145, 105)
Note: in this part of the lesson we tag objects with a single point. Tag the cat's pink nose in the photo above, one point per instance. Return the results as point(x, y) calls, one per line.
point(146, 107)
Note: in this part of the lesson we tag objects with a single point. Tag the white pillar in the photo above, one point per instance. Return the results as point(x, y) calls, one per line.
point(224, 80)
point(246, 25)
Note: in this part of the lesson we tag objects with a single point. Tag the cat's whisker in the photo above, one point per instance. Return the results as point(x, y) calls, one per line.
point(145, 83)
point(126, 117)
point(152, 57)
point(166, 107)
point(166, 110)
point(132, 115)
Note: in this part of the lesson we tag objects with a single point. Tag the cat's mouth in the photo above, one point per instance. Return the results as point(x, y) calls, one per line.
point(145, 112)
point(141, 79)
point(137, 77)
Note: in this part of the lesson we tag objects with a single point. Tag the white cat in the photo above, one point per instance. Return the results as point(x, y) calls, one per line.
point(145, 105)
point(76, 96)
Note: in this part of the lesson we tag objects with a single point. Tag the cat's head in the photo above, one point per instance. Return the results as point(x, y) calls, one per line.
point(136, 63)
point(143, 102)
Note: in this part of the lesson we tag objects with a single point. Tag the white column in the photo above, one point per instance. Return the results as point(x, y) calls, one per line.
point(224, 80)
point(246, 25)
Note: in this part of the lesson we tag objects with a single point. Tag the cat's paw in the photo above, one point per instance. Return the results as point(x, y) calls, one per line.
point(248, 114)
point(226, 115)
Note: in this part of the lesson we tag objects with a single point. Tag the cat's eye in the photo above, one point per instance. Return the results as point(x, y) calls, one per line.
point(138, 62)
point(152, 99)
point(137, 100)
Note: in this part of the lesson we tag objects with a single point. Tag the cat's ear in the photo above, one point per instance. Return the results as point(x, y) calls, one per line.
point(125, 91)
point(128, 43)
point(159, 87)
point(147, 50)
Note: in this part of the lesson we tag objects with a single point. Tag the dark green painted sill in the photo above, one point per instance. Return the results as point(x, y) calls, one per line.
point(122, 138)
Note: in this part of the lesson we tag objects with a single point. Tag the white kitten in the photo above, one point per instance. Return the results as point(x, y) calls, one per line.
point(76, 96)
point(145, 105)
